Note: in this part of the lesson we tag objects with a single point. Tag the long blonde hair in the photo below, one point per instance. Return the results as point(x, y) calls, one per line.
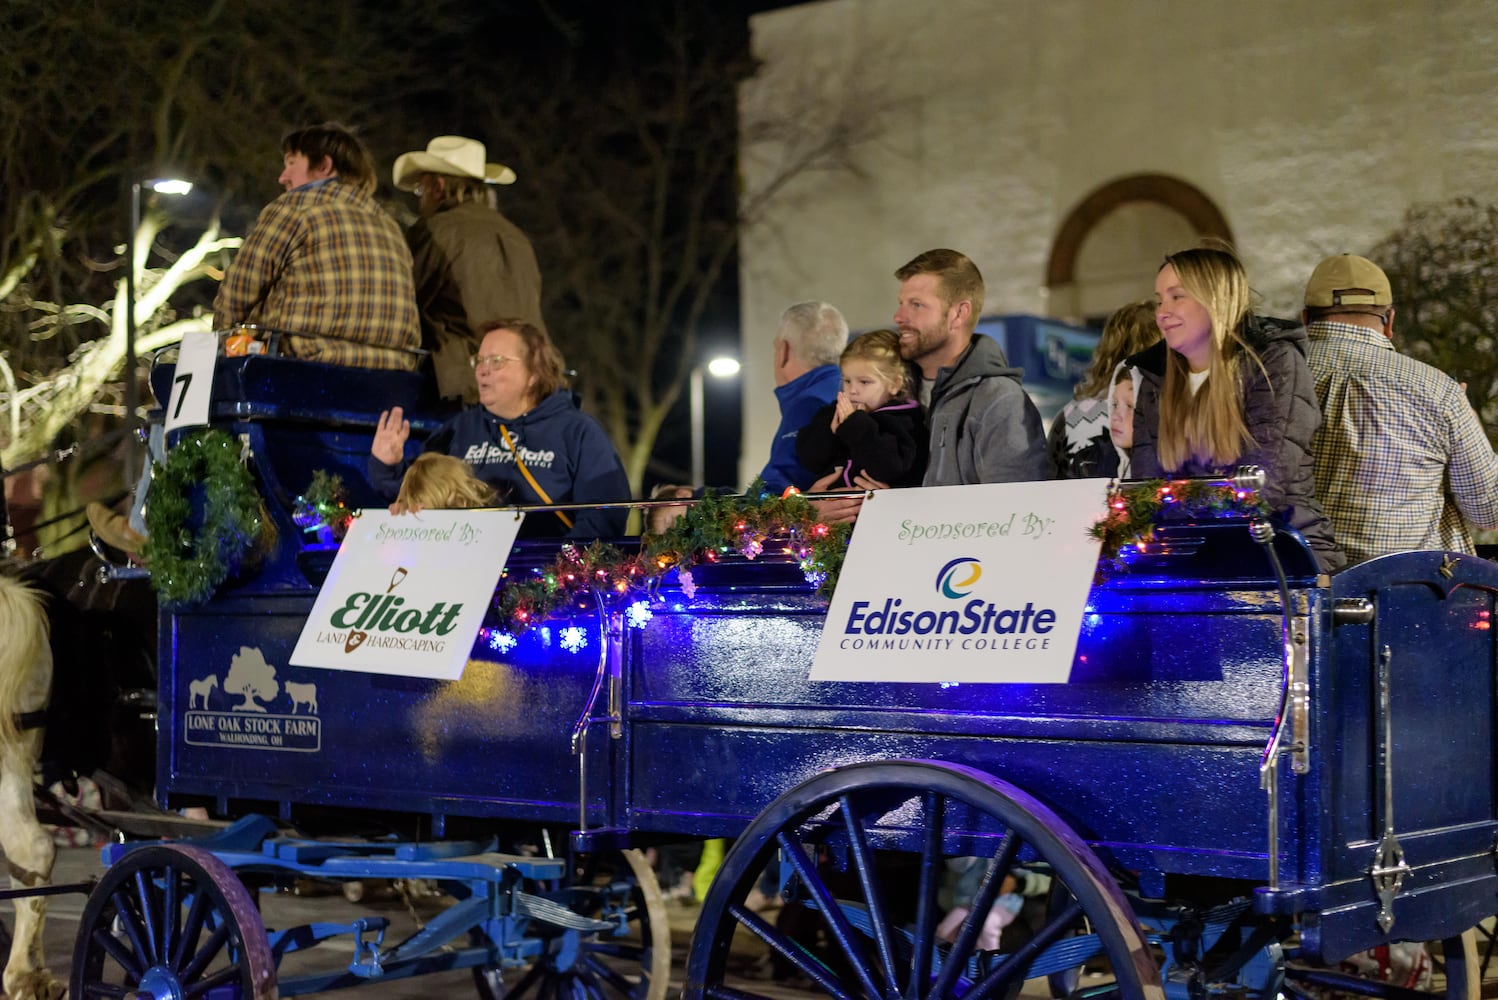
point(1208, 426)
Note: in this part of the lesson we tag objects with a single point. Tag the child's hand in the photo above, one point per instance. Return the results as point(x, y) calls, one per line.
point(844, 409)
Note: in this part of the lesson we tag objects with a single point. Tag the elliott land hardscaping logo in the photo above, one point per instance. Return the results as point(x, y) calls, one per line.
point(230, 714)
point(383, 621)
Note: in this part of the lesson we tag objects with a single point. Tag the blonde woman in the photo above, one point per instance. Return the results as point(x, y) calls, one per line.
point(1227, 388)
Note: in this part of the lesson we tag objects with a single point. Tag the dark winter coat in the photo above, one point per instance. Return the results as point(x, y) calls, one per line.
point(472, 266)
point(1282, 416)
point(799, 399)
point(888, 443)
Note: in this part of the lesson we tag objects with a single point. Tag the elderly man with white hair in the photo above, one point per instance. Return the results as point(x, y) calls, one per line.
point(811, 337)
point(472, 265)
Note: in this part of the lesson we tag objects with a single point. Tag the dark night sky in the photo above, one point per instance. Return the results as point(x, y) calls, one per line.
point(614, 35)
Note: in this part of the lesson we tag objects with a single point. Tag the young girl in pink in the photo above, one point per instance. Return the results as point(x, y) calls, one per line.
point(875, 427)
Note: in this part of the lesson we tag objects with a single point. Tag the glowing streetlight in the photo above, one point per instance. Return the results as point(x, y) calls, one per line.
point(160, 185)
point(719, 367)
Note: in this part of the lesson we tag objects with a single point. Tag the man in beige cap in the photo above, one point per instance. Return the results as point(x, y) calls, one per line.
point(1401, 460)
point(472, 265)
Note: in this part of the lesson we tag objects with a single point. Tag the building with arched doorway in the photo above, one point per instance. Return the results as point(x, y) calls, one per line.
point(1066, 145)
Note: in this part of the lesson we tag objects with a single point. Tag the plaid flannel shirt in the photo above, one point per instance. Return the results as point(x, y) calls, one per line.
point(325, 264)
point(1401, 459)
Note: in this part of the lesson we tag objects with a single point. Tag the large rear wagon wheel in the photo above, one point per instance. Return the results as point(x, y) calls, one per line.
point(171, 922)
point(885, 832)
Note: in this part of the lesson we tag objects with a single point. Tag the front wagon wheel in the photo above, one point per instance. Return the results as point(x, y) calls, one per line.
point(171, 922)
point(863, 848)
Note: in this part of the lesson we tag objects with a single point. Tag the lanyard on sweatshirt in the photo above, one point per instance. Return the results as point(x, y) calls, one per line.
point(515, 453)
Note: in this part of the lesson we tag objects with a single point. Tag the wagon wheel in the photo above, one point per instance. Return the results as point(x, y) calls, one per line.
point(171, 922)
point(577, 965)
point(911, 818)
point(1460, 958)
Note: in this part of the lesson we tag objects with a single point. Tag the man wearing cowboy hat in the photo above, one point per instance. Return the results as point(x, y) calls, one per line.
point(324, 263)
point(472, 265)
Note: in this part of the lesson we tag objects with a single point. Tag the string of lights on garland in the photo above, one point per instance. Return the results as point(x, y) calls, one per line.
point(324, 507)
point(190, 556)
point(713, 527)
point(1135, 509)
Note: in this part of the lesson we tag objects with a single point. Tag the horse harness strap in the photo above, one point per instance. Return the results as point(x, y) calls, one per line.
point(31, 720)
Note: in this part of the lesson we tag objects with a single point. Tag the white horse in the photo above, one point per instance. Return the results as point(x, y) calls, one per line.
point(201, 689)
point(25, 684)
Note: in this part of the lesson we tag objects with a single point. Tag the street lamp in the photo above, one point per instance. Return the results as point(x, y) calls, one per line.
point(160, 185)
point(719, 367)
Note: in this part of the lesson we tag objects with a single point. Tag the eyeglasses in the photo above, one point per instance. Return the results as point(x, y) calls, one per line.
point(494, 361)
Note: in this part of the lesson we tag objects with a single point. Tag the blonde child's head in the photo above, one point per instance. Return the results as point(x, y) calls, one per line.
point(874, 374)
point(435, 481)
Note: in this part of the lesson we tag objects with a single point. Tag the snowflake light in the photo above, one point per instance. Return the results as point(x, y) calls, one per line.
point(500, 642)
point(638, 613)
point(573, 638)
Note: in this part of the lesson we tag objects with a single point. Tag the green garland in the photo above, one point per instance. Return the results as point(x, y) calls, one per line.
point(714, 526)
point(324, 507)
point(186, 565)
point(1134, 510)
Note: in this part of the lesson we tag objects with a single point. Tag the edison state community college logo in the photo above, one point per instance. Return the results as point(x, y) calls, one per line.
point(957, 577)
point(976, 624)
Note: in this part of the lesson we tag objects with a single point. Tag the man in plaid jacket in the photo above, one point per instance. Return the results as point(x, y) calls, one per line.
point(1401, 460)
point(324, 263)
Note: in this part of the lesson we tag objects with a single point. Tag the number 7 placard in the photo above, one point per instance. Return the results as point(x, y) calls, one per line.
point(192, 383)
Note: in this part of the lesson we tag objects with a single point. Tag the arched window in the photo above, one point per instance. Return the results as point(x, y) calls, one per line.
point(1109, 247)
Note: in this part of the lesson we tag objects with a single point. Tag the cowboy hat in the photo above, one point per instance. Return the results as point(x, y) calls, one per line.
point(453, 156)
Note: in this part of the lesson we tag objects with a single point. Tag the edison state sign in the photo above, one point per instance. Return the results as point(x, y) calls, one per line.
point(969, 584)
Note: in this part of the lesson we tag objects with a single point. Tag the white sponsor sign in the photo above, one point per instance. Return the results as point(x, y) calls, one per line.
point(192, 381)
point(971, 584)
point(407, 593)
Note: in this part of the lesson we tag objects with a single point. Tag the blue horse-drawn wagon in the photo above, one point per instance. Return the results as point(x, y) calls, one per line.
point(1254, 773)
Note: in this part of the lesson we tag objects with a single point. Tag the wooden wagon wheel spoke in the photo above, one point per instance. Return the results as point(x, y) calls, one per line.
point(142, 931)
point(884, 832)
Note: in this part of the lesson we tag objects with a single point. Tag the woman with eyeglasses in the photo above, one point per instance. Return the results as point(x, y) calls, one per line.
point(526, 438)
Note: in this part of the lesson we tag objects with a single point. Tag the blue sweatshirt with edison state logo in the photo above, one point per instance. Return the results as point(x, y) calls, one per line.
point(566, 450)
